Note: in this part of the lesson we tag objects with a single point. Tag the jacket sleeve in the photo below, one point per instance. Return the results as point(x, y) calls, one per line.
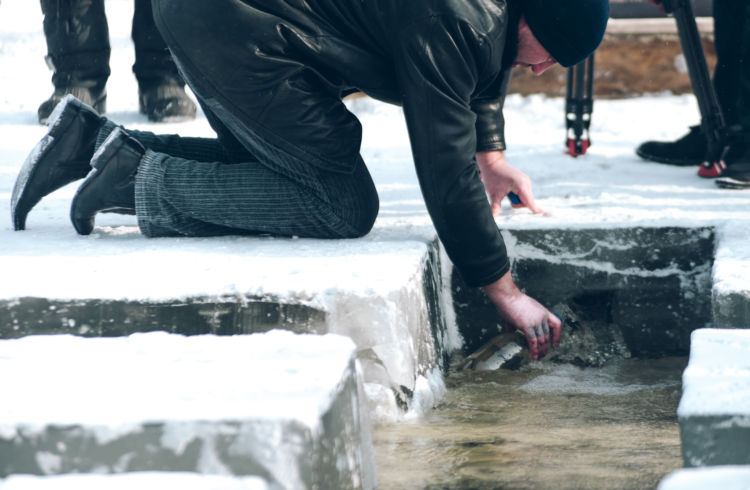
point(438, 71)
point(488, 106)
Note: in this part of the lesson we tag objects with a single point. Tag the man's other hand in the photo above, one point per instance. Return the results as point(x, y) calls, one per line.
point(500, 178)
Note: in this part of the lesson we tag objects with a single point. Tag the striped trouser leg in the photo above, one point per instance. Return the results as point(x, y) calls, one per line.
point(205, 186)
point(193, 194)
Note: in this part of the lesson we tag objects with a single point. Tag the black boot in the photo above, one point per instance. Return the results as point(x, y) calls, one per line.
point(737, 173)
point(686, 151)
point(166, 102)
point(61, 157)
point(110, 187)
point(96, 100)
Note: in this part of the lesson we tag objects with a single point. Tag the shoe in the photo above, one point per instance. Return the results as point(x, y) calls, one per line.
point(735, 176)
point(110, 186)
point(686, 151)
point(97, 101)
point(166, 102)
point(61, 157)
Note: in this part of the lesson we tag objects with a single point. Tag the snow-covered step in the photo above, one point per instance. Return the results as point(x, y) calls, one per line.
point(284, 407)
point(714, 411)
point(729, 477)
point(130, 481)
point(387, 296)
point(652, 282)
point(730, 295)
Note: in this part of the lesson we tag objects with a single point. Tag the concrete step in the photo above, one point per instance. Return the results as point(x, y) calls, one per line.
point(129, 481)
point(654, 283)
point(730, 293)
point(714, 411)
point(284, 407)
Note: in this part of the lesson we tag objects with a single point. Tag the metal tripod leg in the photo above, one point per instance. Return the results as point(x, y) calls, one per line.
point(579, 104)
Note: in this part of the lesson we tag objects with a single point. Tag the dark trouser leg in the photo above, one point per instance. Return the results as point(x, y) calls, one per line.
point(77, 42)
point(732, 73)
point(732, 82)
point(307, 180)
point(222, 149)
point(161, 93)
point(77, 51)
point(175, 196)
point(153, 61)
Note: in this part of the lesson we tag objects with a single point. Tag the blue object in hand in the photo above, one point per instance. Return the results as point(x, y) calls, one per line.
point(514, 198)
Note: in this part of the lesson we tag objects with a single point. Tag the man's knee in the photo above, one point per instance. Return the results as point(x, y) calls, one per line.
point(361, 214)
point(370, 214)
point(363, 224)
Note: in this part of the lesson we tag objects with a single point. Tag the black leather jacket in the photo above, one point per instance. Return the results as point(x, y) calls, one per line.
point(442, 60)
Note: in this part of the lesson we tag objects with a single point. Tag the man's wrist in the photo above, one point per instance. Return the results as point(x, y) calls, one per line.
point(487, 160)
point(504, 287)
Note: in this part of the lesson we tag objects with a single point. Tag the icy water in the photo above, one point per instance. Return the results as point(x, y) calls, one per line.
point(542, 427)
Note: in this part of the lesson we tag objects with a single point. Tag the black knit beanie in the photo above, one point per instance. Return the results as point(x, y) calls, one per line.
point(570, 30)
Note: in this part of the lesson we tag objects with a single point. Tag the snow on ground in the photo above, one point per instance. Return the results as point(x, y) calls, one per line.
point(729, 477)
point(128, 481)
point(610, 186)
point(716, 382)
point(184, 378)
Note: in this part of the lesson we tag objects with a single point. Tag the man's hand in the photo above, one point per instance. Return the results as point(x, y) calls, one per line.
point(500, 178)
point(523, 313)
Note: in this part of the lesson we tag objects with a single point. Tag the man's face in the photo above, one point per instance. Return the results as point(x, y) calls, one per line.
point(530, 52)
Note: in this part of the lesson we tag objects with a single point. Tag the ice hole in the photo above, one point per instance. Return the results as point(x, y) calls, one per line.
point(562, 423)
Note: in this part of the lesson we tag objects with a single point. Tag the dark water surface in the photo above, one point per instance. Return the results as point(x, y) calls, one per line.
point(544, 426)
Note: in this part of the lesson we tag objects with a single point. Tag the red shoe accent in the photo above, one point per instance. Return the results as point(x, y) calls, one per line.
point(711, 170)
point(573, 150)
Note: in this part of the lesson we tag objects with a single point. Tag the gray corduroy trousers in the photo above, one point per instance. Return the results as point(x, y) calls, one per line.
point(200, 187)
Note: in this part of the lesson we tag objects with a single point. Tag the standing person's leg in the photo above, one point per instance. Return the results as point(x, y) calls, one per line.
point(743, 66)
point(729, 35)
point(732, 81)
point(161, 89)
point(78, 52)
point(730, 26)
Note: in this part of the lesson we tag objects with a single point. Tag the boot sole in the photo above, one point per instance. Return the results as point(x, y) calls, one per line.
point(730, 183)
